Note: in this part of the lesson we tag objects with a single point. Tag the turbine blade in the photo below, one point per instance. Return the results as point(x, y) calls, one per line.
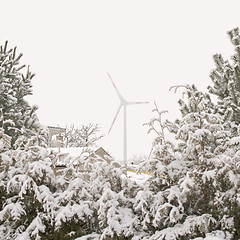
point(115, 118)
point(118, 93)
point(130, 103)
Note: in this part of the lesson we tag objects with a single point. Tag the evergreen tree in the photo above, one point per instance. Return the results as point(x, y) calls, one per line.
point(27, 187)
point(14, 87)
point(226, 82)
point(202, 131)
point(195, 193)
point(163, 160)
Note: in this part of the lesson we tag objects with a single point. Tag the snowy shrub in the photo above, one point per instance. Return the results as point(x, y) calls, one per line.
point(28, 202)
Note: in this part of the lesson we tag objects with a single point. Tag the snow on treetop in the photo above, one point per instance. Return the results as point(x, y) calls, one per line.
point(234, 141)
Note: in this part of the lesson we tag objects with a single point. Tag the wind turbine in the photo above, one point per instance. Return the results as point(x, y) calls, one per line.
point(124, 104)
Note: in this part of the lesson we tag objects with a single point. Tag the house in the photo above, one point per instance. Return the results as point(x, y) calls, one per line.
point(56, 136)
point(100, 152)
point(101, 155)
point(76, 157)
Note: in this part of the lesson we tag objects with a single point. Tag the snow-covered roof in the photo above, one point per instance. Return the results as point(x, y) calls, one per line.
point(73, 154)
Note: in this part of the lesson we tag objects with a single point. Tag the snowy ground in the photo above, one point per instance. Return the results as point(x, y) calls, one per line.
point(140, 178)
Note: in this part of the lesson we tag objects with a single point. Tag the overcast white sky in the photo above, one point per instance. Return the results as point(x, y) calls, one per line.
point(146, 46)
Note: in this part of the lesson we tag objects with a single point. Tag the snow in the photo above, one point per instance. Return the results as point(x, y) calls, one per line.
point(139, 178)
point(72, 155)
point(13, 209)
point(216, 235)
point(92, 236)
point(234, 141)
point(186, 184)
point(233, 178)
point(199, 134)
point(185, 228)
point(33, 230)
point(72, 151)
point(208, 175)
point(39, 169)
point(66, 213)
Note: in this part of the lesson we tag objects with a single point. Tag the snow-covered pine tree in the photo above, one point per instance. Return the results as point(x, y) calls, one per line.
point(113, 195)
point(226, 83)
point(35, 201)
point(159, 205)
point(75, 216)
point(201, 201)
point(201, 129)
point(163, 157)
point(27, 193)
point(212, 173)
point(15, 85)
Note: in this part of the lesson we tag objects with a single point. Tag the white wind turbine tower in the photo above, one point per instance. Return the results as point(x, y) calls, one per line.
point(123, 103)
